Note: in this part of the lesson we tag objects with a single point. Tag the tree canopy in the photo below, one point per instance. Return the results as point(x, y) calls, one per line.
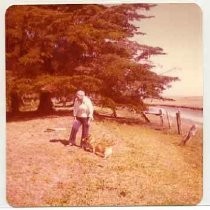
point(69, 47)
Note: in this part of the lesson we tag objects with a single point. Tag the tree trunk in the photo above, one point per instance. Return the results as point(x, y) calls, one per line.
point(45, 104)
point(48, 66)
point(15, 103)
point(114, 113)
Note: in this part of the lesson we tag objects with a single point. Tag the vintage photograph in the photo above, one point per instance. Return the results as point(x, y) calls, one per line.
point(104, 104)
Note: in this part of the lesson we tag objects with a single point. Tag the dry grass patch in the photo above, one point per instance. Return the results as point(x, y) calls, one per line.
point(146, 168)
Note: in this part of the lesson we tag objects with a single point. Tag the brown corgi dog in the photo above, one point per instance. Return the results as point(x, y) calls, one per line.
point(101, 149)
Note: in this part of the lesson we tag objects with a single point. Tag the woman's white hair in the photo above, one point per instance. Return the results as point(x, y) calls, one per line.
point(80, 93)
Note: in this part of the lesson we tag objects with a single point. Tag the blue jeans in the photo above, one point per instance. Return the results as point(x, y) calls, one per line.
point(76, 125)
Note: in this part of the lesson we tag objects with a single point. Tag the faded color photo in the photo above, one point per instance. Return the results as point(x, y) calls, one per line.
point(104, 104)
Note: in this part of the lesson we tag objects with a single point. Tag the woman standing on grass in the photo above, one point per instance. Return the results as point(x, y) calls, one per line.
point(83, 114)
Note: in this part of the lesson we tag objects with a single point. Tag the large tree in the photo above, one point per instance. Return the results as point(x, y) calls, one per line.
point(62, 48)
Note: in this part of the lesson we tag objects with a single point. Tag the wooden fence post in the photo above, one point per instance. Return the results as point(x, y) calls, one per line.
point(161, 117)
point(169, 123)
point(178, 120)
point(145, 117)
point(190, 134)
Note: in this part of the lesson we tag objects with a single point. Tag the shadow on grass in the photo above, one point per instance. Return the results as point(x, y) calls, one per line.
point(62, 141)
point(122, 120)
point(30, 115)
point(27, 116)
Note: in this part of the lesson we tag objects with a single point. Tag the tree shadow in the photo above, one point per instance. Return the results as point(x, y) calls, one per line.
point(30, 115)
point(121, 120)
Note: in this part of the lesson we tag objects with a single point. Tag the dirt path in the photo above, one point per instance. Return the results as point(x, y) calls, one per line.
point(146, 168)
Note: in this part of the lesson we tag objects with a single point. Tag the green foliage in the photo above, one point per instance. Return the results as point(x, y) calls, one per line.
point(63, 48)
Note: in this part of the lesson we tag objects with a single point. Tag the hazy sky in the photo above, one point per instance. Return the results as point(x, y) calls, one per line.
point(177, 28)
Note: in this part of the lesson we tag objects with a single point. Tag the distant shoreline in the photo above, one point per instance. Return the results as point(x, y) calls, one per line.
point(188, 102)
point(177, 106)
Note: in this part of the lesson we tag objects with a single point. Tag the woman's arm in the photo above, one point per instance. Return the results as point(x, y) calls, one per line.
point(90, 108)
point(75, 108)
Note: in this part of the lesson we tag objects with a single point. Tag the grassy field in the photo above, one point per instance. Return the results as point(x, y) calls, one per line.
point(190, 101)
point(147, 166)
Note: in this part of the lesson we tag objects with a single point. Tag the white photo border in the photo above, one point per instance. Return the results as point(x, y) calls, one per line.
point(205, 7)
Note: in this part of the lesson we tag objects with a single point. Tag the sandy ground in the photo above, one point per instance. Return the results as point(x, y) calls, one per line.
point(147, 166)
